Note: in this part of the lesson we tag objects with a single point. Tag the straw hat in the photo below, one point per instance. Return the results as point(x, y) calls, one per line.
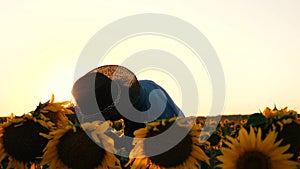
point(102, 82)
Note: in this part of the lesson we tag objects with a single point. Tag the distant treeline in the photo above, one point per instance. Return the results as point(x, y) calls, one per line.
point(238, 117)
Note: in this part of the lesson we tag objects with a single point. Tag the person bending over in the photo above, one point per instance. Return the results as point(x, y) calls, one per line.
point(116, 93)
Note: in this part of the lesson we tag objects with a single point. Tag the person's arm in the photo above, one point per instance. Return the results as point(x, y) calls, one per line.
point(170, 108)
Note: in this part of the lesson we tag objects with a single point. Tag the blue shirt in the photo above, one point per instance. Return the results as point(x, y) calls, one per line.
point(163, 106)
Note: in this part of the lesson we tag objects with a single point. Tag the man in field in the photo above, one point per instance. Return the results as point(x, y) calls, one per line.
point(119, 95)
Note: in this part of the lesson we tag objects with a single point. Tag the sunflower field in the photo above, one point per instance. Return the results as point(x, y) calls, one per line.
point(50, 137)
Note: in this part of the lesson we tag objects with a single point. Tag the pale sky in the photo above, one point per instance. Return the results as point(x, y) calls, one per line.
point(257, 43)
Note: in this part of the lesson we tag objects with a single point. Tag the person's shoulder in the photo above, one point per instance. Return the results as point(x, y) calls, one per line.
point(149, 84)
point(146, 82)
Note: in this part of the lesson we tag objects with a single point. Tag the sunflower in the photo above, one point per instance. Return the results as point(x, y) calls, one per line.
point(252, 152)
point(21, 141)
point(185, 154)
point(54, 111)
point(268, 113)
point(71, 147)
point(243, 122)
point(288, 130)
point(117, 127)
